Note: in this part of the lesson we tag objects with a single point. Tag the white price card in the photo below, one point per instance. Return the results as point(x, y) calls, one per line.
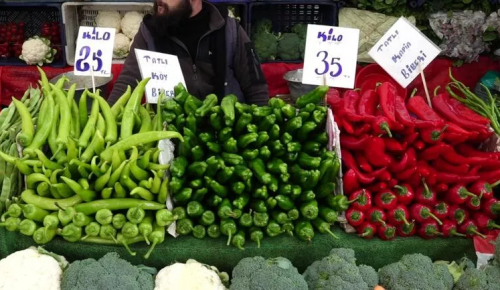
point(330, 56)
point(163, 69)
point(403, 52)
point(94, 51)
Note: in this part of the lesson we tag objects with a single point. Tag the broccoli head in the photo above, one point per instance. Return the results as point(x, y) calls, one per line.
point(302, 48)
point(263, 25)
point(266, 45)
point(300, 29)
point(492, 276)
point(337, 271)
point(108, 273)
point(288, 47)
point(472, 279)
point(415, 271)
point(259, 273)
point(497, 251)
point(369, 275)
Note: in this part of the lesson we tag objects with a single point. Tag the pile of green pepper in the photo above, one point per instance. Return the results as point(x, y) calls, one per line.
point(247, 171)
point(100, 180)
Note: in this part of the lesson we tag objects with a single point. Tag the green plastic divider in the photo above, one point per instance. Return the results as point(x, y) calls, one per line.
point(374, 252)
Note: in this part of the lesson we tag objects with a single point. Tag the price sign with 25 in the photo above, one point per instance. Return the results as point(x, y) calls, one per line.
point(94, 51)
point(331, 55)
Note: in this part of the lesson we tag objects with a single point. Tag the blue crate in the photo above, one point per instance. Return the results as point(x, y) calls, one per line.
point(33, 15)
point(241, 6)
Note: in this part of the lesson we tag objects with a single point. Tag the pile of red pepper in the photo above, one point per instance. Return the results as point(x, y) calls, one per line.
point(411, 168)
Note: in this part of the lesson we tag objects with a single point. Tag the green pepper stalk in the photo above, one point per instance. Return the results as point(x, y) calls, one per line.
point(136, 214)
point(225, 209)
point(33, 212)
point(107, 232)
point(237, 213)
point(184, 226)
point(81, 220)
point(288, 228)
point(71, 233)
point(156, 237)
point(246, 220)
point(309, 210)
point(328, 214)
point(51, 221)
point(238, 240)
point(130, 230)
point(207, 218)
point(14, 211)
point(43, 235)
point(104, 216)
point(213, 231)
point(180, 212)
point(256, 235)
point(199, 232)
point(119, 221)
point(323, 227)
point(92, 230)
point(65, 215)
point(146, 227)
point(165, 217)
point(228, 228)
point(27, 227)
point(304, 230)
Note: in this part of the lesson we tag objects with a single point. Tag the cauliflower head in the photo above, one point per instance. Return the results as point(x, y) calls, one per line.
point(259, 273)
point(131, 22)
point(109, 19)
point(288, 47)
point(37, 50)
point(30, 269)
point(122, 45)
point(266, 45)
point(190, 276)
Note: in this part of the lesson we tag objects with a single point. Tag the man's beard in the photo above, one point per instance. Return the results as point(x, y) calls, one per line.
point(171, 18)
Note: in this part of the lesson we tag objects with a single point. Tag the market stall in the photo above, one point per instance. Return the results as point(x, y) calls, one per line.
point(332, 187)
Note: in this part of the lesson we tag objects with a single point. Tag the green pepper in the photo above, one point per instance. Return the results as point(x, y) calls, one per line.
point(325, 189)
point(180, 121)
point(242, 123)
point(183, 195)
point(262, 111)
point(339, 203)
point(323, 227)
point(276, 103)
point(225, 209)
point(178, 167)
point(267, 122)
point(284, 202)
point(197, 153)
point(225, 134)
point(209, 102)
point(252, 128)
point(273, 229)
point(261, 193)
point(246, 220)
point(173, 106)
point(242, 201)
point(304, 116)
point(321, 108)
point(213, 165)
point(296, 192)
point(262, 139)
point(245, 140)
point(194, 209)
point(277, 148)
point(288, 111)
point(27, 227)
point(207, 218)
point(316, 96)
point(216, 187)
point(228, 228)
point(258, 167)
point(280, 217)
point(304, 231)
point(312, 148)
point(216, 109)
point(321, 138)
point(199, 194)
point(249, 154)
point(232, 159)
point(196, 183)
point(206, 137)
point(118, 221)
point(180, 212)
point(271, 202)
point(293, 125)
point(293, 147)
point(260, 219)
point(329, 170)
point(227, 106)
point(277, 166)
point(216, 121)
point(285, 189)
point(193, 138)
point(312, 180)
point(286, 138)
point(179, 89)
point(171, 127)
point(309, 108)
point(309, 210)
point(307, 161)
point(213, 231)
point(318, 117)
point(256, 235)
point(168, 117)
point(279, 115)
point(230, 145)
point(214, 147)
point(243, 108)
point(264, 153)
point(238, 187)
point(274, 132)
point(328, 214)
point(176, 184)
point(192, 104)
point(197, 169)
point(259, 206)
point(199, 232)
point(225, 174)
point(273, 186)
point(238, 240)
point(304, 131)
point(288, 228)
point(184, 226)
point(11, 224)
point(293, 214)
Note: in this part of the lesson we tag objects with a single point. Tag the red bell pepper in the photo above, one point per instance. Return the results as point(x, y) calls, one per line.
point(441, 106)
point(422, 213)
point(442, 210)
point(363, 199)
point(483, 188)
point(376, 216)
point(441, 165)
point(353, 143)
point(474, 202)
point(392, 145)
point(398, 166)
point(368, 103)
point(449, 229)
point(380, 126)
point(484, 222)
point(458, 214)
point(398, 215)
point(469, 228)
point(425, 196)
point(378, 187)
point(355, 217)
point(385, 199)
point(458, 194)
point(434, 151)
point(406, 230)
point(387, 93)
point(367, 230)
point(433, 135)
point(375, 152)
point(491, 208)
point(402, 114)
point(363, 163)
point(404, 194)
point(429, 230)
point(351, 183)
point(386, 232)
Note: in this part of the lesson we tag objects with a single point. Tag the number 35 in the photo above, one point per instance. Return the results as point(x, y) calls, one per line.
point(334, 62)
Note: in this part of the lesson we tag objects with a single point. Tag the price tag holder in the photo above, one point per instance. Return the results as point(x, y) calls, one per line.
point(403, 52)
point(163, 69)
point(331, 55)
point(94, 51)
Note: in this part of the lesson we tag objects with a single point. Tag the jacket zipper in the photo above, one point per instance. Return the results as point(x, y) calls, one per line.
point(255, 64)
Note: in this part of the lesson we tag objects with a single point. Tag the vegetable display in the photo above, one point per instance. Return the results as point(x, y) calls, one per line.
point(100, 181)
point(414, 169)
point(246, 172)
point(191, 275)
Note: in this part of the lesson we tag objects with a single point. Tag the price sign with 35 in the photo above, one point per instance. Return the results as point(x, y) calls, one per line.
point(330, 56)
point(94, 51)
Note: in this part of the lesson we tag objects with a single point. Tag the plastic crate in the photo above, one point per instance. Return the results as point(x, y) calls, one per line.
point(241, 10)
point(33, 15)
point(76, 14)
point(285, 14)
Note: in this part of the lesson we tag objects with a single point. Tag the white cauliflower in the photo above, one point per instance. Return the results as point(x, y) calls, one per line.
point(122, 46)
point(109, 19)
point(37, 51)
point(131, 22)
point(31, 269)
point(190, 276)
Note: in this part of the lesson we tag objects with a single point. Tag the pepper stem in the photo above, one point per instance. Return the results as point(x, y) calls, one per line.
point(495, 184)
point(354, 200)
point(366, 232)
point(378, 219)
point(229, 238)
point(413, 93)
point(459, 217)
point(332, 234)
point(146, 239)
point(455, 233)
point(401, 189)
point(431, 215)
point(403, 218)
point(474, 231)
point(464, 192)
point(384, 126)
point(436, 90)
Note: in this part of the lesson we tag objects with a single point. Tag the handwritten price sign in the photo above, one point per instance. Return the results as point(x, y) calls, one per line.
point(330, 56)
point(94, 51)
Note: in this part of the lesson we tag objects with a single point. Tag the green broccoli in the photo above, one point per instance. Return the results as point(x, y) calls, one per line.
point(402, 275)
point(497, 251)
point(288, 47)
point(300, 29)
point(302, 48)
point(266, 45)
point(493, 276)
point(259, 273)
point(337, 271)
point(472, 279)
point(109, 273)
point(263, 25)
point(369, 275)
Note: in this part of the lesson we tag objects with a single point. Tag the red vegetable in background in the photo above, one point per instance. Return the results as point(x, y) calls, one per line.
point(377, 187)
point(474, 202)
point(398, 166)
point(428, 230)
point(484, 188)
point(368, 103)
point(380, 126)
point(363, 200)
point(387, 232)
point(422, 213)
point(418, 106)
point(367, 230)
point(376, 216)
point(406, 230)
point(484, 222)
point(387, 93)
point(469, 228)
point(458, 194)
point(353, 143)
point(433, 135)
point(458, 214)
point(375, 152)
point(444, 166)
point(355, 217)
point(398, 215)
point(351, 183)
point(449, 229)
point(402, 114)
point(392, 145)
point(424, 195)
point(440, 105)
point(385, 199)
point(363, 163)
point(404, 194)
point(442, 210)
point(491, 207)
point(434, 152)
